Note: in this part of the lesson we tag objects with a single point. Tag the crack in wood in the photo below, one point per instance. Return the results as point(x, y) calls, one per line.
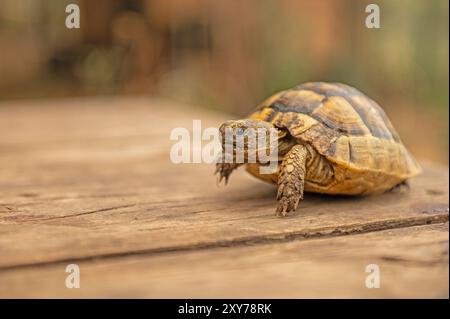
point(84, 213)
point(329, 232)
point(415, 262)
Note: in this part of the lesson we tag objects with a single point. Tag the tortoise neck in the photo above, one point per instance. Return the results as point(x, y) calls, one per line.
point(285, 144)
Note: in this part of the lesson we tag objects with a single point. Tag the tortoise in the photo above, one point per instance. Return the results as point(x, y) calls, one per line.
point(332, 139)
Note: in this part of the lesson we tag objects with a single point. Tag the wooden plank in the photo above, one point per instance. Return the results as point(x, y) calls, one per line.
point(413, 262)
point(91, 178)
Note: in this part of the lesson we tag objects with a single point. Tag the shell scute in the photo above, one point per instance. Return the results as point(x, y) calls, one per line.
point(336, 113)
point(342, 124)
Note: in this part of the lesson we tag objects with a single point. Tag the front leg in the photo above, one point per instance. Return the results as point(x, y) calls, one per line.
point(225, 170)
point(291, 180)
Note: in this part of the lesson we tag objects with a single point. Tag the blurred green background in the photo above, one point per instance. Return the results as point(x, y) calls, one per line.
point(230, 55)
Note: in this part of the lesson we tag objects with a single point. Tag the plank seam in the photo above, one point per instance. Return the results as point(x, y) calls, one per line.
point(330, 232)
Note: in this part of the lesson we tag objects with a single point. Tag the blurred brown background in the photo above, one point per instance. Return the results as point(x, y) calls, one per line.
point(229, 55)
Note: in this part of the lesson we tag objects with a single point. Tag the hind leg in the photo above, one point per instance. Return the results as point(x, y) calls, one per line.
point(401, 187)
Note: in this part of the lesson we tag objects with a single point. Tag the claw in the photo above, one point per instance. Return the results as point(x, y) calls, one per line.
point(296, 203)
point(224, 170)
point(282, 207)
point(280, 191)
point(219, 180)
point(286, 202)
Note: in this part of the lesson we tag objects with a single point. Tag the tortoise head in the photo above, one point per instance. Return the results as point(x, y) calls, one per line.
point(248, 137)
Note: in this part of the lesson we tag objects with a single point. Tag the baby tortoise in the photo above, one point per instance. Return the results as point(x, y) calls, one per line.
point(332, 139)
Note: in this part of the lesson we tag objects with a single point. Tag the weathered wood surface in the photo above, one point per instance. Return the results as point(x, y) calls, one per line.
point(413, 262)
point(89, 181)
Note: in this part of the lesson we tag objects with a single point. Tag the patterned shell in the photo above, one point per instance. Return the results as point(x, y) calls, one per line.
point(342, 124)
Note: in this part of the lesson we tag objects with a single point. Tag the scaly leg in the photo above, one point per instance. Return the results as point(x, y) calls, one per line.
point(291, 180)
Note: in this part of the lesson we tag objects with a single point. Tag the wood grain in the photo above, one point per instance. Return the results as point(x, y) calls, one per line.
point(413, 263)
point(90, 181)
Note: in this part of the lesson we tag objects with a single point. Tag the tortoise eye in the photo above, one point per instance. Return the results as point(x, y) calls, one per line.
point(239, 131)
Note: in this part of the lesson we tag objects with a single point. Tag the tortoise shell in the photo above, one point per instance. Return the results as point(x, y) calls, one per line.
point(342, 124)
